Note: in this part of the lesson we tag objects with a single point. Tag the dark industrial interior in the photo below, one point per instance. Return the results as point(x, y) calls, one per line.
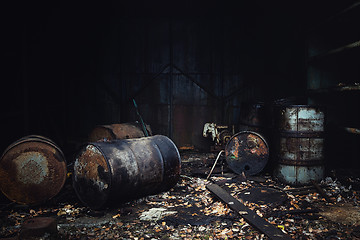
point(69, 67)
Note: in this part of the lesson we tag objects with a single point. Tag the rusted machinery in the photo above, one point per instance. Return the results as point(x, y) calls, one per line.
point(220, 134)
point(247, 153)
point(121, 170)
point(118, 131)
point(300, 152)
point(32, 170)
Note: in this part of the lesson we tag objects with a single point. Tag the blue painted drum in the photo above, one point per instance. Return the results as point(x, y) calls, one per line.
point(300, 144)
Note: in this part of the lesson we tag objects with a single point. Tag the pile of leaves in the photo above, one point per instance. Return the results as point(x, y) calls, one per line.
point(190, 211)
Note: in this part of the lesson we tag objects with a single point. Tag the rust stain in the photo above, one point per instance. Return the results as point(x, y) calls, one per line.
point(87, 166)
point(235, 150)
point(106, 133)
point(247, 152)
point(32, 170)
point(117, 171)
point(257, 145)
point(187, 147)
point(353, 130)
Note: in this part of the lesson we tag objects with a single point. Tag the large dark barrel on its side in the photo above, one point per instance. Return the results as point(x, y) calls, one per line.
point(32, 170)
point(300, 150)
point(120, 170)
point(247, 152)
point(118, 131)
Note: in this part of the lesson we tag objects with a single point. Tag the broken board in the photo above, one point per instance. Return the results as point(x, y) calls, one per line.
point(250, 216)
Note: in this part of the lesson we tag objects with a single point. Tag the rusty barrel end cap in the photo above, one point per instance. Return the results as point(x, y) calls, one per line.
point(32, 170)
point(247, 152)
point(92, 176)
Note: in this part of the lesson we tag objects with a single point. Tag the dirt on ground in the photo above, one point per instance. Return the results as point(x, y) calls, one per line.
point(190, 211)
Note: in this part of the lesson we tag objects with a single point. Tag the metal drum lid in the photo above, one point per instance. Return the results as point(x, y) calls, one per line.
point(247, 152)
point(92, 176)
point(32, 170)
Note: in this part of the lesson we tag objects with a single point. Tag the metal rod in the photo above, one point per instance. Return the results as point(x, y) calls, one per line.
point(141, 120)
point(212, 169)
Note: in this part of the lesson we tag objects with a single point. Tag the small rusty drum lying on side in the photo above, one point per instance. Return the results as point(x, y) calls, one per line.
point(118, 171)
point(32, 170)
point(247, 152)
point(118, 131)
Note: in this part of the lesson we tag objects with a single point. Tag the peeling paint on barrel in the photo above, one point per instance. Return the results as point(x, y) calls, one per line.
point(303, 149)
point(88, 166)
point(300, 151)
point(301, 118)
point(32, 170)
point(114, 172)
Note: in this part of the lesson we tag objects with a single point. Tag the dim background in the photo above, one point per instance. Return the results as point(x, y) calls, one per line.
point(69, 66)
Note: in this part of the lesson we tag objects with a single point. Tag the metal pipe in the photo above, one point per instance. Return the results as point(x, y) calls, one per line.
point(212, 169)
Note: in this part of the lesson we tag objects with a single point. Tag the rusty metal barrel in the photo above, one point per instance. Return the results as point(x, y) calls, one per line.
point(117, 131)
point(247, 152)
point(300, 151)
point(108, 173)
point(32, 170)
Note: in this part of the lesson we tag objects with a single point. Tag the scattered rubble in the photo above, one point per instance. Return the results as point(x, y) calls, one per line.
point(190, 211)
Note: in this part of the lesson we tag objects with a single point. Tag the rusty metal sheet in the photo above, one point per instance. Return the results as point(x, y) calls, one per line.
point(186, 130)
point(32, 170)
point(117, 131)
point(247, 152)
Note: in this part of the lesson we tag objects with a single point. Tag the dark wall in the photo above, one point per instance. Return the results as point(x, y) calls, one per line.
point(68, 67)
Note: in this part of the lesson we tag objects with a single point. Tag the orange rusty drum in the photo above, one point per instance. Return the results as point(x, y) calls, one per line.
point(117, 131)
point(32, 170)
point(247, 152)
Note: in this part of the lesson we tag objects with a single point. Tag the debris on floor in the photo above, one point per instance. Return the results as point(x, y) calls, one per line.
point(190, 211)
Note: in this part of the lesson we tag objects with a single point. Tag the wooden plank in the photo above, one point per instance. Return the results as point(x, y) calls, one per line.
point(250, 216)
